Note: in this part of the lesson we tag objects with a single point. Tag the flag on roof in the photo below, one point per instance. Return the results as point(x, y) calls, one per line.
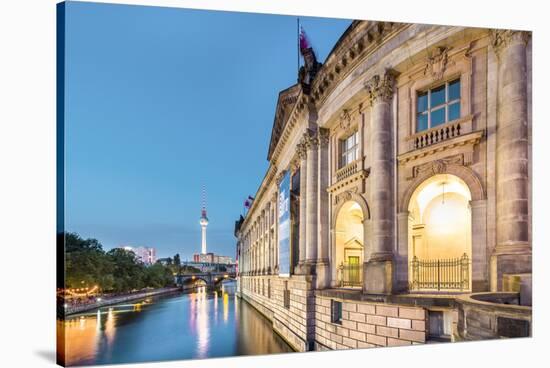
point(248, 202)
point(304, 42)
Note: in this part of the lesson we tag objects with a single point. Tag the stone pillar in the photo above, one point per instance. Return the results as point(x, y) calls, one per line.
point(401, 281)
point(512, 253)
point(311, 141)
point(479, 246)
point(302, 154)
point(323, 267)
point(378, 275)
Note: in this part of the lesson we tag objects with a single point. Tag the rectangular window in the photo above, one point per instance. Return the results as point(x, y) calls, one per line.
point(438, 105)
point(349, 149)
point(336, 312)
point(269, 289)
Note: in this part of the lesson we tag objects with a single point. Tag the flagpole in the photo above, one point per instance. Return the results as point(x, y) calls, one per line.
point(298, 43)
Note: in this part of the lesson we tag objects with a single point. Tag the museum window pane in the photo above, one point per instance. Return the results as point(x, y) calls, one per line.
point(454, 111)
point(438, 105)
point(349, 149)
point(422, 102)
point(454, 90)
point(437, 96)
point(437, 117)
point(422, 122)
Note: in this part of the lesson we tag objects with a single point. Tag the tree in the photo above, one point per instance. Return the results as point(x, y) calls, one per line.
point(85, 263)
point(158, 276)
point(128, 271)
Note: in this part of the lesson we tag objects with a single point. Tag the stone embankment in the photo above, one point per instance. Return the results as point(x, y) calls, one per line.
point(105, 301)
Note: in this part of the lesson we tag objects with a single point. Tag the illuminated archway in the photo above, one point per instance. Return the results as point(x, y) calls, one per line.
point(349, 244)
point(440, 235)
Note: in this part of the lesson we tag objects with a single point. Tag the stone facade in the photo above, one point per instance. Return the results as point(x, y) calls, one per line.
point(397, 113)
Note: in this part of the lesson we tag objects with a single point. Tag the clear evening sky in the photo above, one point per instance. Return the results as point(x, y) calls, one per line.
point(160, 101)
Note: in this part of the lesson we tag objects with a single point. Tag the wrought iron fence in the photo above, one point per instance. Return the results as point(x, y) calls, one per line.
point(441, 274)
point(350, 274)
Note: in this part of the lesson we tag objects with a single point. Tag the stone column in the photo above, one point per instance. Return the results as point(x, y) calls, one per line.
point(513, 251)
point(401, 274)
point(378, 273)
point(312, 144)
point(302, 154)
point(479, 245)
point(323, 267)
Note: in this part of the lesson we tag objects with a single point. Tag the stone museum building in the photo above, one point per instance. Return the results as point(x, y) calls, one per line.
point(397, 205)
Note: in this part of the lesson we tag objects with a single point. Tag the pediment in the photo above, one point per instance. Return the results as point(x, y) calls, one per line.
point(285, 104)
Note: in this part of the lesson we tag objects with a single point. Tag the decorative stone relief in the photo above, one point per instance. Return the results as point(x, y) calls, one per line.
point(344, 196)
point(323, 136)
point(301, 150)
point(438, 166)
point(380, 87)
point(310, 140)
point(345, 119)
point(437, 63)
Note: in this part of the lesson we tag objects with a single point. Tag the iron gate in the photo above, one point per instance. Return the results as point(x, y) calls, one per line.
point(441, 274)
point(350, 274)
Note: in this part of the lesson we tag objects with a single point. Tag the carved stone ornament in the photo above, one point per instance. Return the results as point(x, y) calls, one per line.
point(502, 38)
point(323, 135)
point(310, 140)
point(437, 166)
point(345, 196)
point(345, 119)
point(380, 87)
point(437, 63)
point(301, 150)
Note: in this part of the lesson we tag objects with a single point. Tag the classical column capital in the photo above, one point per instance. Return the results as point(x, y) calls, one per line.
point(502, 38)
point(380, 87)
point(301, 150)
point(310, 140)
point(323, 135)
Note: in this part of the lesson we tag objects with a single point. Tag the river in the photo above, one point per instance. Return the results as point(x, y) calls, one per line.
point(201, 324)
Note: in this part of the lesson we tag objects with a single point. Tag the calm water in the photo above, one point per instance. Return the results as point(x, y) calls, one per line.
point(202, 324)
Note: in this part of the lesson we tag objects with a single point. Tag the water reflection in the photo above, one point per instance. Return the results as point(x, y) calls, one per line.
point(201, 324)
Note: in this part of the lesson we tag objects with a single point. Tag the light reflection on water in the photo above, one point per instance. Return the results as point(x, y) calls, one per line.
point(201, 324)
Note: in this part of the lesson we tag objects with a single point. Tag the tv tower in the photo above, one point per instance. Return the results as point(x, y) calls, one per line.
point(203, 221)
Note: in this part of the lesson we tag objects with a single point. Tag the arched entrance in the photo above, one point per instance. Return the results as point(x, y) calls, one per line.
point(440, 235)
point(349, 245)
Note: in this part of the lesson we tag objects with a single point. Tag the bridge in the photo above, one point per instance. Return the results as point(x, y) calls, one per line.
point(212, 279)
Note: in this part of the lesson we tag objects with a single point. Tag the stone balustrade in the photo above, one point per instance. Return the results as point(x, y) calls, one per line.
point(348, 170)
point(440, 133)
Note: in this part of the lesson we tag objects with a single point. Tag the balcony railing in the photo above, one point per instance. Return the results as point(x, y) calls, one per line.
point(350, 274)
point(441, 274)
point(348, 170)
point(438, 134)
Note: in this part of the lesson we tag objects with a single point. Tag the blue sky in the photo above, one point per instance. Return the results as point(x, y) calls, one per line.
point(160, 101)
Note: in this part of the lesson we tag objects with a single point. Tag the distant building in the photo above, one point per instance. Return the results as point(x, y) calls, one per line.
point(212, 258)
point(147, 255)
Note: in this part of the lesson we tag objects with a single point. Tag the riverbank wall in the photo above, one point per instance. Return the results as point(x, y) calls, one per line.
point(115, 300)
point(304, 317)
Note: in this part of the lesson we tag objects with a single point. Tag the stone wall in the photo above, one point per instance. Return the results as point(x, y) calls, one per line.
point(306, 323)
point(366, 325)
point(296, 323)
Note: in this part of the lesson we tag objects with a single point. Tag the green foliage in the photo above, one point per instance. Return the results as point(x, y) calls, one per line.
point(119, 270)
